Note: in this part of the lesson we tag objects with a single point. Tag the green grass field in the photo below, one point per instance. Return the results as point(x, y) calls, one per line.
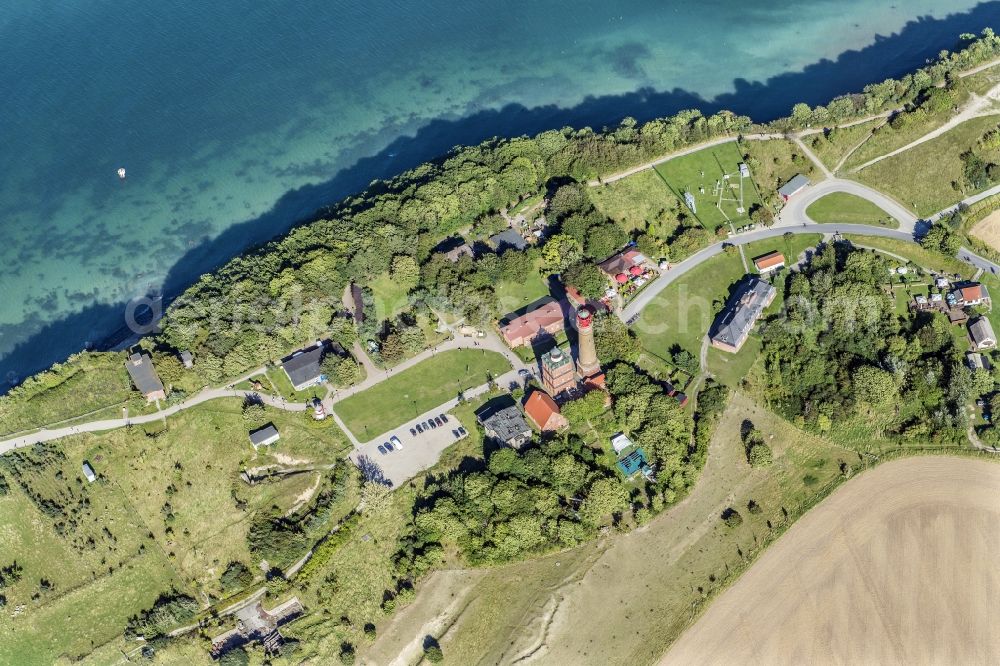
point(831, 148)
point(682, 313)
point(914, 253)
point(418, 389)
point(843, 208)
point(921, 178)
point(887, 139)
point(777, 161)
point(640, 199)
point(390, 297)
point(704, 170)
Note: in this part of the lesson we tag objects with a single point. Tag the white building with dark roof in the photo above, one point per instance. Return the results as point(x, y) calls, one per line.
point(263, 436)
point(140, 368)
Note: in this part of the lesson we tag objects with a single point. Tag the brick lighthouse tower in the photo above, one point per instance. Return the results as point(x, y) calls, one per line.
point(587, 364)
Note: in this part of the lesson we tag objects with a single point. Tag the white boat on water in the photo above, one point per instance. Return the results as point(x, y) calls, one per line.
point(121, 172)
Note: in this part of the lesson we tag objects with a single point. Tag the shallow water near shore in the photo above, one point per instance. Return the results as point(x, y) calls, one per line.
point(234, 121)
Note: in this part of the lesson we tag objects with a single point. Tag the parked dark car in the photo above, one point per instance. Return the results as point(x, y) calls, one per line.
point(381, 449)
point(461, 431)
point(420, 427)
point(438, 421)
point(443, 417)
point(413, 432)
point(431, 423)
point(387, 445)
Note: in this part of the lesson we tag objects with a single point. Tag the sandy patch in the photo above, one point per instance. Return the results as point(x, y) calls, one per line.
point(988, 230)
point(305, 495)
point(289, 460)
point(897, 566)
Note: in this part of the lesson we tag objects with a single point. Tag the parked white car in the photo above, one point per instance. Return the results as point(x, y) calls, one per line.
point(395, 442)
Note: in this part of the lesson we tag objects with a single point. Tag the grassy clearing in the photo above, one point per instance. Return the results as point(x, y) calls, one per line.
point(831, 147)
point(283, 386)
point(681, 314)
point(391, 298)
point(85, 383)
point(637, 201)
point(887, 139)
point(775, 162)
point(929, 177)
point(513, 296)
point(418, 389)
point(701, 173)
point(914, 253)
point(697, 556)
point(843, 208)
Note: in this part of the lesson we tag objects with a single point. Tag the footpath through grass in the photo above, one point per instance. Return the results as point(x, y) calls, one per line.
point(930, 177)
point(418, 389)
point(844, 208)
point(831, 147)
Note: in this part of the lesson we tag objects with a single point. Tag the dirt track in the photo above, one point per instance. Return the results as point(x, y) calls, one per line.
point(901, 565)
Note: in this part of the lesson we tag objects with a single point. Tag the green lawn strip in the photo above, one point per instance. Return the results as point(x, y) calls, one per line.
point(640, 199)
point(704, 169)
point(922, 177)
point(831, 147)
point(844, 208)
point(914, 253)
point(886, 139)
point(418, 389)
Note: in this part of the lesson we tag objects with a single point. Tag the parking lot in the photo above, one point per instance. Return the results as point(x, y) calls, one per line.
point(418, 452)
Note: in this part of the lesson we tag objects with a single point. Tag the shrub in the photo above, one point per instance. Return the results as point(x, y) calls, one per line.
point(732, 517)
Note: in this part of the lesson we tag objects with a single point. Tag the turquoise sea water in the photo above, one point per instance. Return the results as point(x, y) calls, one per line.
point(236, 119)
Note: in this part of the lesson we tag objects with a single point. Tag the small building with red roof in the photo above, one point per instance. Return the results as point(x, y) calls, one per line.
point(771, 261)
point(970, 294)
point(544, 412)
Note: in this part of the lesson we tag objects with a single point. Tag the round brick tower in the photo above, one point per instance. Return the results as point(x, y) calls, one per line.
point(587, 363)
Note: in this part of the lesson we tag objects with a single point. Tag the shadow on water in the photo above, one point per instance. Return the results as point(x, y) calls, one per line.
point(892, 56)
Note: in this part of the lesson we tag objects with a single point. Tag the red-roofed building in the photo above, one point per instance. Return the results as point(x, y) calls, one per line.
point(544, 412)
point(623, 262)
point(969, 294)
point(771, 261)
point(523, 330)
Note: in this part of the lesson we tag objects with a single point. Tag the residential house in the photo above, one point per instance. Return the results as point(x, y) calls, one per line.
point(544, 318)
point(88, 472)
point(767, 263)
point(263, 436)
point(981, 333)
point(977, 361)
point(971, 294)
point(503, 422)
point(303, 366)
point(508, 240)
point(253, 623)
point(793, 187)
point(732, 327)
point(187, 359)
point(140, 369)
point(455, 248)
point(544, 412)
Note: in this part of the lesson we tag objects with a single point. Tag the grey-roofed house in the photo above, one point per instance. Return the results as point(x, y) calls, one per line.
point(793, 187)
point(187, 358)
point(977, 361)
point(140, 369)
point(302, 367)
point(508, 239)
point(504, 422)
point(982, 333)
point(88, 472)
point(732, 327)
point(264, 435)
